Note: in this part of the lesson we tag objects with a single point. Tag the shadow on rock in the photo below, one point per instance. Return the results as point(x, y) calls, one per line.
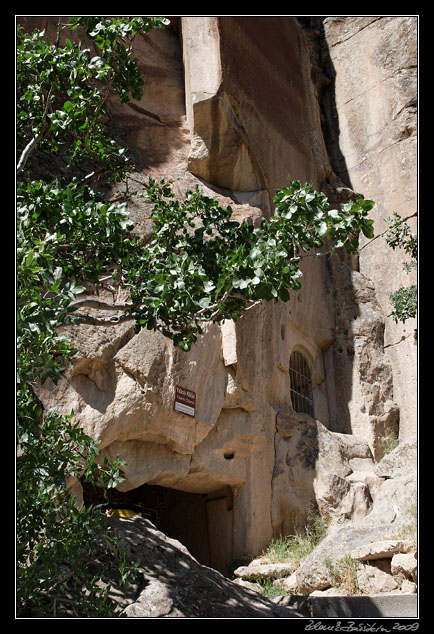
point(175, 585)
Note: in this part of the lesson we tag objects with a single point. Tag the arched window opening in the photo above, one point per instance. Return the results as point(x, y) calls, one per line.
point(301, 384)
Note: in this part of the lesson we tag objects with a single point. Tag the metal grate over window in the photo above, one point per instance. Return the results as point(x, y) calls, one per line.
point(301, 384)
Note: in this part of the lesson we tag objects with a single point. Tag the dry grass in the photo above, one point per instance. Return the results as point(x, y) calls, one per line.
point(343, 574)
point(294, 548)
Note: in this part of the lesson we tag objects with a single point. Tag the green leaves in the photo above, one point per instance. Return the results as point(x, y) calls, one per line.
point(404, 302)
point(53, 532)
point(400, 236)
point(203, 266)
point(68, 236)
point(113, 36)
point(63, 235)
point(62, 92)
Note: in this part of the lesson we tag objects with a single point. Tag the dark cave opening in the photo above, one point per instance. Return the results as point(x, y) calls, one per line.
point(202, 522)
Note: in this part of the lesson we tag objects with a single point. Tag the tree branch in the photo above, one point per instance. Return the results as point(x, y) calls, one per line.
point(403, 338)
point(38, 138)
point(96, 303)
point(386, 231)
point(30, 147)
point(92, 176)
point(101, 321)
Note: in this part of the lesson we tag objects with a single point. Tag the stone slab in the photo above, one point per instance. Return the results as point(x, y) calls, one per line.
point(382, 549)
point(373, 606)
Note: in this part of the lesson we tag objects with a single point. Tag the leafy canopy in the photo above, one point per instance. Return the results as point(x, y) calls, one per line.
point(201, 265)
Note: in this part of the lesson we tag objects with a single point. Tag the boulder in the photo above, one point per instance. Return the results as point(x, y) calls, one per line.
point(354, 446)
point(310, 465)
point(314, 574)
point(175, 585)
point(330, 592)
point(399, 461)
point(369, 479)
point(404, 566)
point(372, 580)
point(255, 572)
point(408, 587)
point(396, 498)
point(246, 584)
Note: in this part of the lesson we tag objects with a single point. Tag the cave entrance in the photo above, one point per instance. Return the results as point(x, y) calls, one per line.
point(202, 522)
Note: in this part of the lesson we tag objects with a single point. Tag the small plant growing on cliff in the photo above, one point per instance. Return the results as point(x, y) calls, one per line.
point(390, 443)
point(408, 529)
point(400, 236)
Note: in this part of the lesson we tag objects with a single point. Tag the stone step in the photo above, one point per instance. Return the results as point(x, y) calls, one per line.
point(363, 607)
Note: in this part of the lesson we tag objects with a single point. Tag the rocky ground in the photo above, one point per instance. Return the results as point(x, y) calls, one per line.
point(377, 566)
point(175, 585)
point(375, 553)
point(371, 558)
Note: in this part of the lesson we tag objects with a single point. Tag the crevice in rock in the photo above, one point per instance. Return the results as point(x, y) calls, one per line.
point(362, 28)
point(147, 113)
point(324, 78)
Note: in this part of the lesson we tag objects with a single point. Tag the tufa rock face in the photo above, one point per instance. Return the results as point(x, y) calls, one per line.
point(372, 118)
point(231, 103)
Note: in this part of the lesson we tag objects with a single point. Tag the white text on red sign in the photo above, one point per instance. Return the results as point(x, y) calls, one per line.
point(185, 401)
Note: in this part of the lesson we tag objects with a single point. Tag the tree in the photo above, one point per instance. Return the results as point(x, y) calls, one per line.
point(65, 233)
point(199, 265)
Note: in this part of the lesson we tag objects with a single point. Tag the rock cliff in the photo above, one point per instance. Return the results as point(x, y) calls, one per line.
point(372, 118)
point(238, 104)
